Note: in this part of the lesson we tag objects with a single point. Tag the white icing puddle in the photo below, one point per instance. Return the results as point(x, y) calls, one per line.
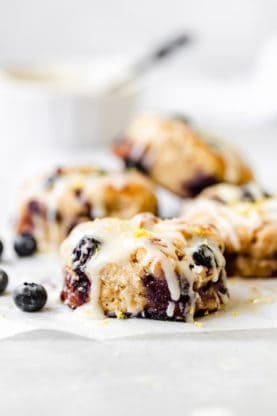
point(253, 305)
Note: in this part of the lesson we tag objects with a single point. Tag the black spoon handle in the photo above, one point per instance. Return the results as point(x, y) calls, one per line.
point(162, 52)
point(147, 62)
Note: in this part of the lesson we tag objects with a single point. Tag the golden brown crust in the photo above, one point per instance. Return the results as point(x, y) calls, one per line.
point(248, 228)
point(178, 157)
point(249, 266)
point(52, 205)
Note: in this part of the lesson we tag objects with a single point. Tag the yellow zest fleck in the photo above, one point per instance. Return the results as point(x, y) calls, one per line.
point(206, 313)
point(142, 233)
point(121, 315)
point(198, 231)
point(234, 313)
point(78, 183)
point(198, 324)
point(191, 310)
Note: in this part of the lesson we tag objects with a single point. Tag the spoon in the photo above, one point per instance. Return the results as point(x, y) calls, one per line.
point(149, 61)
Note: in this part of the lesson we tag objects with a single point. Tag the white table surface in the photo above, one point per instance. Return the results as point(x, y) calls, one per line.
point(197, 375)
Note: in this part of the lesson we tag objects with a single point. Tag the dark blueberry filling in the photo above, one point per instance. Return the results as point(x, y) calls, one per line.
point(204, 256)
point(158, 296)
point(198, 183)
point(76, 291)
point(83, 252)
point(4, 280)
point(87, 211)
point(78, 193)
point(58, 217)
point(248, 196)
point(81, 287)
point(30, 297)
point(136, 164)
point(34, 207)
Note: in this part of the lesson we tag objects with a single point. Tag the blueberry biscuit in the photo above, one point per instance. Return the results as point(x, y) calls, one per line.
point(178, 157)
point(246, 218)
point(144, 267)
point(52, 205)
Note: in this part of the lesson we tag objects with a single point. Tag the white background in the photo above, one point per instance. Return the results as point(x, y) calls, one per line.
point(229, 33)
point(196, 375)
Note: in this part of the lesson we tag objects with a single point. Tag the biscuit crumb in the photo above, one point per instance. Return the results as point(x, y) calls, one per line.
point(262, 299)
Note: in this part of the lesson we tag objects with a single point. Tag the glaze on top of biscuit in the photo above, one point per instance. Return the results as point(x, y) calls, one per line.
point(176, 259)
point(51, 205)
point(246, 219)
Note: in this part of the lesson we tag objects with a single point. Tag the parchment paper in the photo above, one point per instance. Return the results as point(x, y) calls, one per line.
point(252, 306)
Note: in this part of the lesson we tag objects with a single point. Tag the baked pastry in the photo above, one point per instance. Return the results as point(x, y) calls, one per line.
point(144, 267)
point(246, 219)
point(179, 157)
point(230, 194)
point(52, 205)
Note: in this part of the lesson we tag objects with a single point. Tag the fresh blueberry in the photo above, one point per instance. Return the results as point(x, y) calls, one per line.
point(25, 244)
point(30, 297)
point(1, 248)
point(4, 279)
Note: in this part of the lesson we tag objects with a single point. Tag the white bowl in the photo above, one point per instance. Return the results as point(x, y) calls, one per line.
point(65, 104)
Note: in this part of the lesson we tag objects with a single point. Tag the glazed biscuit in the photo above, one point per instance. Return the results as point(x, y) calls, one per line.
point(52, 205)
point(246, 219)
point(144, 267)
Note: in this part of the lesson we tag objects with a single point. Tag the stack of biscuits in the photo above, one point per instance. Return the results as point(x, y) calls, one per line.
point(122, 260)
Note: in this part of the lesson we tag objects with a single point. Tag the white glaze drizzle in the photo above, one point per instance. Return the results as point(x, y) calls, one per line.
point(121, 238)
point(92, 184)
point(228, 219)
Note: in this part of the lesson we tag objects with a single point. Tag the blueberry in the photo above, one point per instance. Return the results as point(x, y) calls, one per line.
point(204, 256)
point(198, 183)
point(85, 249)
point(4, 279)
point(1, 248)
point(247, 194)
point(30, 297)
point(25, 244)
point(136, 164)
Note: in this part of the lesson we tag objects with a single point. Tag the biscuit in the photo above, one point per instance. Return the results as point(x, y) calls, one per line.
point(144, 267)
point(52, 205)
point(246, 219)
point(178, 157)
